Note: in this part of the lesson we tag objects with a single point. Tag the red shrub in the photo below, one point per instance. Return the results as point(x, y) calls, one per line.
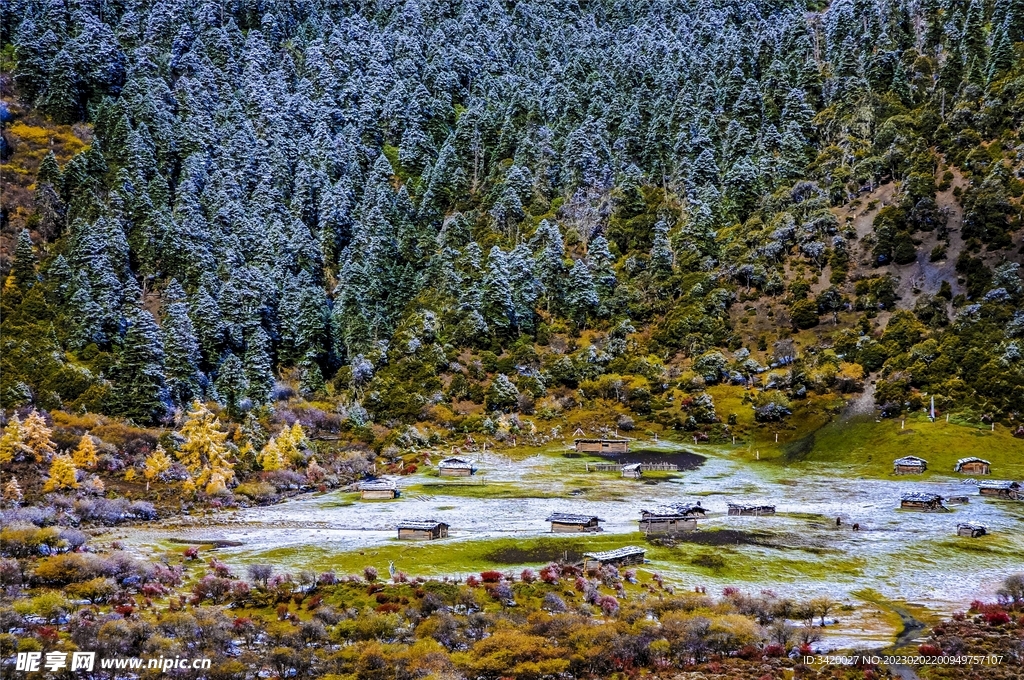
point(929, 650)
point(528, 575)
point(775, 650)
point(490, 576)
point(749, 652)
point(473, 581)
point(389, 608)
point(374, 588)
point(996, 617)
point(192, 553)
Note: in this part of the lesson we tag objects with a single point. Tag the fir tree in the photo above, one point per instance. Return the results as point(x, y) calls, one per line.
point(581, 298)
point(139, 390)
point(258, 368)
point(24, 267)
point(231, 384)
point(502, 395)
point(84, 456)
point(63, 475)
point(181, 365)
point(662, 257)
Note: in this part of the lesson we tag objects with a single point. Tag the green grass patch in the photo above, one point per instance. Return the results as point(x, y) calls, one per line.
point(490, 490)
point(872, 446)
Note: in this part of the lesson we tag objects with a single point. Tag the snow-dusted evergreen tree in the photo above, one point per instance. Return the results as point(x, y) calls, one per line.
point(184, 380)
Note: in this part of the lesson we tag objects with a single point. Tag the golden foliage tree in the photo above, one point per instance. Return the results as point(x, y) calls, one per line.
point(85, 456)
point(12, 491)
point(204, 451)
point(157, 463)
point(63, 474)
point(12, 442)
point(271, 457)
point(37, 437)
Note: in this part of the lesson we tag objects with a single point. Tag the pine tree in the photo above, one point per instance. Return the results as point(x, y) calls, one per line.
point(12, 442)
point(12, 492)
point(62, 99)
point(37, 437)
point(181, 365)
point(204, 452)
point(24, 267)
point(601, 262)
point(85, 457)
point(231, 384)
point(63, 475)
point(157, 463)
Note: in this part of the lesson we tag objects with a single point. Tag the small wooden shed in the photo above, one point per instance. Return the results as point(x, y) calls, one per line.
point(377, 489)
point(670, 519)
point(970, 529)
point(422, 530)
point(455, 467)
point(973, 466)
point(999, 488)
point(753, 510)
point(632, 471)
point(602, 445)
point(620, 557)
point(922, 501)
point(567, 523)
point(909, 465)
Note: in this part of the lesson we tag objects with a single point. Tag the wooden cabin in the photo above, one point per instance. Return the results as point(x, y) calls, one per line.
point(632, 471)
point(602, 445)
point(1001, 489)
point(958, 500)
point(422, 530)
point(455, 467)
point(567, 523)
point(752, 510)
point(620, 557)
point(973, 466)
point(970, 529)
point(909, 465)
point(670, 519)
point(922, 501)
point(378, 489)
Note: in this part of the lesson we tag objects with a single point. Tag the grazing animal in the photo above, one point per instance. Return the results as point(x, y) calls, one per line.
point(856, 527)
point(839, 521)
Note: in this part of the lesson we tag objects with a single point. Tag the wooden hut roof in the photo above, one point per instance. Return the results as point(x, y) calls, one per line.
point(377, 485)
point(586, 440)
point(455, 462)
point(632, 466)
point(569, 518)
point(674, 510)
point(970, 459)
point(618, 553)
point(910, 460)
point(752, 507)
point(998, 484)
point(921, 497)
point(421, 524)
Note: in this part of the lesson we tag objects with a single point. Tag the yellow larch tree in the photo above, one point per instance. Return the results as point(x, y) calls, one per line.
point(85, 456)
point(157, 463)
point(271, 457)
point(37, 437)
point(63, 474)
point(204, 451)
point(12, 441)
